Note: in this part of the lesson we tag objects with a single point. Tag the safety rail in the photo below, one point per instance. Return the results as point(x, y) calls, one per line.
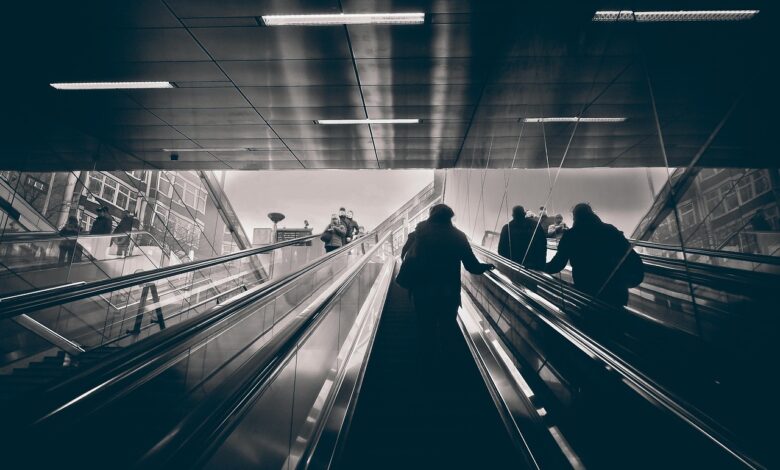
point(555, 318)
point(192, 441)
point(131, 365)
point(131, 368)
point(36, 300)
point(714, 276)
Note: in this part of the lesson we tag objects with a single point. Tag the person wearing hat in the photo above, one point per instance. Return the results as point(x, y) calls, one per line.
point(101, 225)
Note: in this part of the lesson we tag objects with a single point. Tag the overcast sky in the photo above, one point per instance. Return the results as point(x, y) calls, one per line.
point(314, 195)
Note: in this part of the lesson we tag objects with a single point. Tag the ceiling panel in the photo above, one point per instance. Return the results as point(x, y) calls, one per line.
point(290, 72)
point(201, 116)
point(189, 98)
point(209, 8)
point(284, 96)
point(238, 131)
point(469, 73)
point(262, 43)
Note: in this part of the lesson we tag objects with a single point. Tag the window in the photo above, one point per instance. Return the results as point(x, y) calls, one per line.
point(109, 189)
point(112, 191)
point(137, 174)
point(687, 215)
point(164, 187)
point(36, 184)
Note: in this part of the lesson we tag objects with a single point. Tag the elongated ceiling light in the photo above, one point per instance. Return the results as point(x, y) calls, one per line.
point(367, 121)
point(573, 119)
point(343, 18)
point(681, 15)
point(111, 85)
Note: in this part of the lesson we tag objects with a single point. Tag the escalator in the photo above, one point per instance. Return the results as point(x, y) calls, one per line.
point(51, 334)
point(320, 369)
point(415, 416)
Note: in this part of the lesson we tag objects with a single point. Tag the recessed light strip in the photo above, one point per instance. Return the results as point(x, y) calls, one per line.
point(111, 85)
point(681, 15)
point(343, 18)
point(367, 121)
point(573, 119)
point(233, 149)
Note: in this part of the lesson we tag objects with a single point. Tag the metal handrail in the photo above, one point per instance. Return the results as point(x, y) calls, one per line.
point(749, 257)
point(31, 237)
point(645, 386)
point(202, 430)
point(722, 277)
point(35, 300)
point(131, 363)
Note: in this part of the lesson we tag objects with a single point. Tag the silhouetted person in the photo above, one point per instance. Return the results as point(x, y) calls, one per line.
point(68, 246)
point(759, 223)
point(123, 243)
point(594, 249)
point(103, 222)
point(437, 249)
point(337, 233)
point(520, 234)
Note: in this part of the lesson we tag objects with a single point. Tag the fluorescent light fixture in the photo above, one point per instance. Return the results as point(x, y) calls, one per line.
point(367, 121)
point(681, 15)
point(111, 85)
point(343, 18)
point(233, 149)
point(574, 119)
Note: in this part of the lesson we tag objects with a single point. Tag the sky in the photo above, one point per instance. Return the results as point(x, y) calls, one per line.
point(314, 195)
point(621, 196)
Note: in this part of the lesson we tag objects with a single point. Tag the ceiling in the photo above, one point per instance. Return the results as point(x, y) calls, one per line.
point(469, 73)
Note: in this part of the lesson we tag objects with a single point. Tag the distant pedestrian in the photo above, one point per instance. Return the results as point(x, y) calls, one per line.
point(523, 241)
point(759, 222)
point(557, 228)
point(125, 226)
point(102, 224)
point(603, 264)
point(544, 219)
point(354, 228)
point(69, 249)
point(334, 234)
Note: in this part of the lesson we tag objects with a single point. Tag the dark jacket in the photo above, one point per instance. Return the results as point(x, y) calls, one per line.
point(101, 225)
point(594, 249)
point(125, 225)
point(353, 228)
point(514, 241)
point(439, 249)
point(338, 234)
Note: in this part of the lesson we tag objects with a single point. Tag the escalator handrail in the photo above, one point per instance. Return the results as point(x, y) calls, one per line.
point(99, 384)
point(32, 237)
point(35, 300)
point(749, 257)
point(204, 429)
point(719, 277)
point(646, 386)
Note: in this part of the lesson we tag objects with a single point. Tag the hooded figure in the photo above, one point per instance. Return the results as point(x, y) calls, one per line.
point(436, 250)
point(123, 243)
point(523, 241)
point(596, 251)
point(103, 222)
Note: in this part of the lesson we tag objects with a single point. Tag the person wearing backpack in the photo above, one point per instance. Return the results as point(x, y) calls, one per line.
point(334, 234)
point(603, 263)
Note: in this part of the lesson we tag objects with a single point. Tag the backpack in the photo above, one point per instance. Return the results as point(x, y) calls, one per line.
point(326, 236)
point(409, 272)
point(632, 271)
